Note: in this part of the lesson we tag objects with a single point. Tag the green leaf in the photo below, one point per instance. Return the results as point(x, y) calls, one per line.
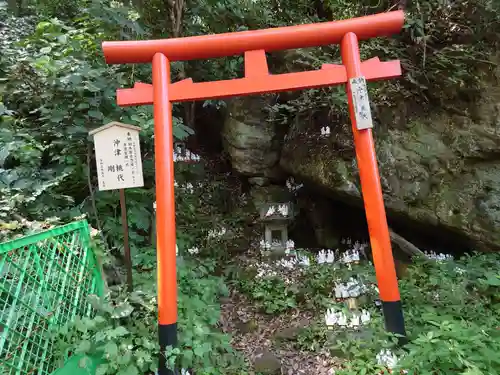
point(181, 131)
point(199, 351)
point(83, 347)
point(493, 280)
point(119, 332)
point(136, 118)
point(187, 356)
point(57, 117)
point(95, 114)
point(83, 105)
point(43, 25)
point(124, 358)
point(63, 39)
point(99, 319)
point(75, 130)
point(3, 109)
point(111, 349)
point(122, 310)
point(102, 369)
point(81, 325)
point(91, 87)
point(76, 79)
point(130, 370)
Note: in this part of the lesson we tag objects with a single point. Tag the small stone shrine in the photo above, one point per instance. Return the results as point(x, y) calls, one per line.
point(275, 218)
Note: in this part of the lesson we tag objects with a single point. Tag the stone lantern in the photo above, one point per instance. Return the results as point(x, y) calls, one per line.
point(276, 218)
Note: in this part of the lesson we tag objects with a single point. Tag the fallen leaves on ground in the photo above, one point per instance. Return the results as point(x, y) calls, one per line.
point(253, 332)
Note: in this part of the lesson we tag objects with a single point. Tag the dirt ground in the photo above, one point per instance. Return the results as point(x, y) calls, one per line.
point(254, 334)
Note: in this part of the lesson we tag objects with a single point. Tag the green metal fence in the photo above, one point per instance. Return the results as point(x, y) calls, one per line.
point(44, 281)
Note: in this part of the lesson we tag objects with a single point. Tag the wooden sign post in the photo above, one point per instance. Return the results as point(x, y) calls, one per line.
point(119, 166)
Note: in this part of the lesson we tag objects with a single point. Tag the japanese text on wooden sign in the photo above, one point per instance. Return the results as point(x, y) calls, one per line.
point(118, 156)
point(361, 103)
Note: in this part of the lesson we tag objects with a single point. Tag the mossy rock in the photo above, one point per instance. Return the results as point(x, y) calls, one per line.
point(440, 174)
point(247, 327)
point(291, 333)
point(262, 195)
point(251, 141)
point(266, 363)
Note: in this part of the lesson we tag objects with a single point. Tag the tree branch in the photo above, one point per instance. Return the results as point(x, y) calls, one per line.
point(406, 246)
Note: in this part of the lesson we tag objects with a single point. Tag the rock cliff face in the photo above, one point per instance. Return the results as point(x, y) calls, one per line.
point(251, 140)
point(442, 171)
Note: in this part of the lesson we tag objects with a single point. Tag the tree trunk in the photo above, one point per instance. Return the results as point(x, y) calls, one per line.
point(175, 9)
point(15, 7)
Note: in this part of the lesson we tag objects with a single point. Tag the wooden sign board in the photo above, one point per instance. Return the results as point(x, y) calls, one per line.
point(361, 103)
point(118, 156)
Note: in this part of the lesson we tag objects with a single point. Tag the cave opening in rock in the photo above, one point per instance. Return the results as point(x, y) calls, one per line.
point(324, 221)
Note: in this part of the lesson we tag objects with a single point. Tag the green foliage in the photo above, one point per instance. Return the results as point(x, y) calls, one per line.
point(451, 314)
point(139, 213)
point(272, 293)
point(203, 347)
point(47, 158)
point(308, 287)
point(447, 51)
point(455, 324)
point(48, 170)
point(124, 331)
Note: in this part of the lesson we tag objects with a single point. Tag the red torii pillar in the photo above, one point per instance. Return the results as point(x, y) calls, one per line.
point(254, 44)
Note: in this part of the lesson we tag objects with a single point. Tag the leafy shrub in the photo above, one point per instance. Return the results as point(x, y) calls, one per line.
point(451, 313)
point(278, 289)
point(124, 331)
point(271, 293)
point(47, 160)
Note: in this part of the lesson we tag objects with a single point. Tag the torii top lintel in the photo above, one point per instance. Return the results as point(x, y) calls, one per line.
point(237, 43)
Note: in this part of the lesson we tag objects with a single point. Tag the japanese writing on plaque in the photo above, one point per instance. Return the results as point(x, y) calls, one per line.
point(118, 156)
point(361, 103)
point(101, 172)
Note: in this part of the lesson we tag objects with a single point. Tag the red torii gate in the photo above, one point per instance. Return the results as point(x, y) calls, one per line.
point(254, 44)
